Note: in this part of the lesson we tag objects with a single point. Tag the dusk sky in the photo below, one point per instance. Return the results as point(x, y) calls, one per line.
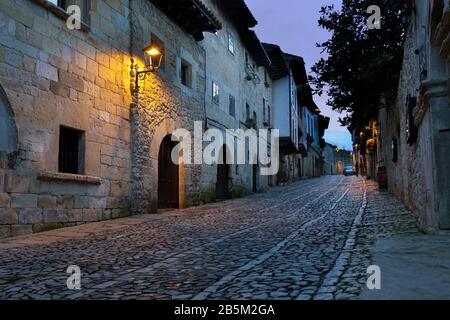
point(292, 24)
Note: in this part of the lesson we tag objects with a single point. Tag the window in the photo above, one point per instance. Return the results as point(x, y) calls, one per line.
point(269, 118)
point(308, 125)
point(230, 43)
point(71, 151)
point(247, 112)
point(246, 58)
point(215, 93)
point(158, 43)
point(264, 109)
point(83, 4)
point(232, 106)
point(394, 150)
point(186, 74)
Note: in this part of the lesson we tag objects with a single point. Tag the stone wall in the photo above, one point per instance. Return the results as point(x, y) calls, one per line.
point(56, 77)
point(415, 176)
point(163, 104)
point(335, 160)
point(53, 77)
point(228, 70)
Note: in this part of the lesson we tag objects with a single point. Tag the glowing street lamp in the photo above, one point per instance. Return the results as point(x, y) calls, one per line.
point(153, 58)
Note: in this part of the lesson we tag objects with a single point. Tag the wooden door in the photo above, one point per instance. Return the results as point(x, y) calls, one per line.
point(168, 175)
point(222, 185)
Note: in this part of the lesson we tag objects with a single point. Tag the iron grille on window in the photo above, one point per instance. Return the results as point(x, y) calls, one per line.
point(70, 151)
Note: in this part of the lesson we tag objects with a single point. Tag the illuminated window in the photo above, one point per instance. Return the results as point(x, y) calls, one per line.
point(215, 93)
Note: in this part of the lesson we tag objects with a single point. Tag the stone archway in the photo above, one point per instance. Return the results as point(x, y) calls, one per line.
point(8, 129)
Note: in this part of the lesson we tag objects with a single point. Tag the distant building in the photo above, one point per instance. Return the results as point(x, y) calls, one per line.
point(83, 138)
point(296, 115)
point(335, 160)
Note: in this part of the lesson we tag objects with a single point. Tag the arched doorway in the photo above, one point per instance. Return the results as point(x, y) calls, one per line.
point(223, 175)
point(168, 176)
point(8, 129)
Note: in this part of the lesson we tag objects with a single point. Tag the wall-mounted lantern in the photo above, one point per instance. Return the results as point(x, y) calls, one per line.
point(153, 57)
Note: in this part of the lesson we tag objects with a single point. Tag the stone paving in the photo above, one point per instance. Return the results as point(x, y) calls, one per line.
point(307, 240)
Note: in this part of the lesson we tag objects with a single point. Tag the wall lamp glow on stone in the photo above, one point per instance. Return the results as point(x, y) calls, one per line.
point(153, 58)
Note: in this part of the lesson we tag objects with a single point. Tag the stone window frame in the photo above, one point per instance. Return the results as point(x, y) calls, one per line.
point(61, 13)
point(186, 67)
point(81, 145)
point(59, 177)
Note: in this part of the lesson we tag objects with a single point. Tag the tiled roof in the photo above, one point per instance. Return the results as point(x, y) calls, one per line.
point(278, 68)
point(238, 11)
point(256, 48)
point(192, 15)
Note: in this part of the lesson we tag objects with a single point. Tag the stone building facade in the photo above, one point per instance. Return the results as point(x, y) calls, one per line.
point(161, 104)
point(236, 67)
point(55, 81)
point(82, 141)
point(412, 134)
point(335, 160)
point(298, 117)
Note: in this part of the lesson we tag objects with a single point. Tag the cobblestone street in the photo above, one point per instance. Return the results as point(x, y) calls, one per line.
point(307, 240)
